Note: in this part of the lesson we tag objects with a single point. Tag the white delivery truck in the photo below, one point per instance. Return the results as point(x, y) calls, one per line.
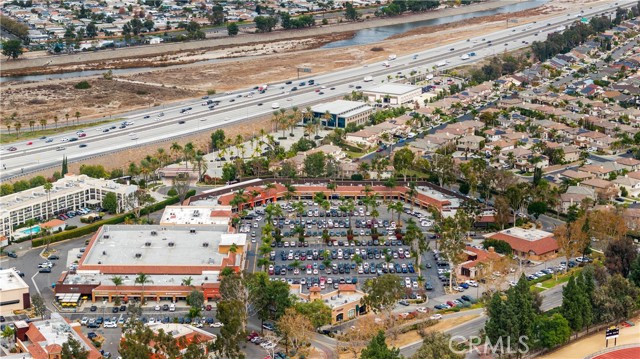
point(392, 57)
point(368, 78)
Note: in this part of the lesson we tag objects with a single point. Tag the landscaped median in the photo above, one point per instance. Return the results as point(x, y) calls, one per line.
point(90, 228)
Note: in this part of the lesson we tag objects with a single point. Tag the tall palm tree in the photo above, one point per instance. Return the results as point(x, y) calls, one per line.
point(43, 123)
point(275, 119)
point(17, 126)
point(66, 115)
point(77, 117)
point(176, 149)
point(187, 281)
point(188, 152)
point(117, 281)
point(55, 120)
point(32, 124)
point(143, 279)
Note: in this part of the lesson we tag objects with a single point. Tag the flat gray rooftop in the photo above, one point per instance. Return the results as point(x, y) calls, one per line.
point(156, 245)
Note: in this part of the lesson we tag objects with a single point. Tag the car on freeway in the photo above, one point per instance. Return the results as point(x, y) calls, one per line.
point(82, 134)
point(49, 140)
point(29, 143)
point(82, 145)
point(181, 122)
point(260, 104)
point(147, 116)
point(12, 148)
point(105, 130)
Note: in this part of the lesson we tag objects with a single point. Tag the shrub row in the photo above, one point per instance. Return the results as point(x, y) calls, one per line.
point(90, 228)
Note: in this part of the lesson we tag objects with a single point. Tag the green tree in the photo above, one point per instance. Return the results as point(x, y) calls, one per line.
point(231, 334)
point(317, 311)
point(403, 161)
point(314, 164)
point(552, 331)
point(229, 172)
point(142, 279)
point(195, 299)
point(38, 305)
point(350, 13)
point(217, 140)
point(91, 30)
point(73, 349)
point(435, 345)
point(265, 23)
point(382, 293)
point(574, 305)
point(378, 349)
point(12, 49)
point(110, 202)
point(65, 168)
point(615, 300)
point(232, 29)
point(619, 255)
point(537, 208)
point(634, 273)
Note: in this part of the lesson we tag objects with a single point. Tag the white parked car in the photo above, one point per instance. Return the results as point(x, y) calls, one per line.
point(436, 317)
point(421, 309)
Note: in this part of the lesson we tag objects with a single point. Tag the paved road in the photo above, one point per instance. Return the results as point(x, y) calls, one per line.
point(41, 155)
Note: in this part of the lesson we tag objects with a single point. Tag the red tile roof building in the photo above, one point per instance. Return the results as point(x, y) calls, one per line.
point(532, 244)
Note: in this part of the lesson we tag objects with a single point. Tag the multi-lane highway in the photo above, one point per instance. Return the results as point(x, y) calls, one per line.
point(172, 122)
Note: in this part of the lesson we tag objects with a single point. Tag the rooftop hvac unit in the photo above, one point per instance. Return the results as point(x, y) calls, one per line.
point(154, 233)
point(138, 255)
point(147, 244)
point(192, 231)
point(171, 244)
point(205, 244)
point(106, 236)
point(104, 253)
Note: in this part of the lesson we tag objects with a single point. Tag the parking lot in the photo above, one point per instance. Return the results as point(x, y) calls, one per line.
point(327, 258)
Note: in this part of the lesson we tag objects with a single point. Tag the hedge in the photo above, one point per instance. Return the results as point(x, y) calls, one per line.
point(90, 228)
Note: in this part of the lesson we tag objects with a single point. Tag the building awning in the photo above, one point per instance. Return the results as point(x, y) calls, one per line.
point(93, 201)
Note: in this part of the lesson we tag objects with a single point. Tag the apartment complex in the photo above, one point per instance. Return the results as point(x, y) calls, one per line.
point(69, 193)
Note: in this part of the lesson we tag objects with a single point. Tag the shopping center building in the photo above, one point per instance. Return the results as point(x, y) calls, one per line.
point(186, 251)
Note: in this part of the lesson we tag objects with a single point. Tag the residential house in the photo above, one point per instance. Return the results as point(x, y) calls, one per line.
point(628, 163)
point(575, 195)
point(470, 143)
point(632, 185)
point(605, 190)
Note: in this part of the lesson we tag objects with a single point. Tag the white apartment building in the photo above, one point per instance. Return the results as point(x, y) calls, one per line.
point(69, 193)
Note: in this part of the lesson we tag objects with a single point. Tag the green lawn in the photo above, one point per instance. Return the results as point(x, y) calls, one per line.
point(25, 134)
point(562, 278)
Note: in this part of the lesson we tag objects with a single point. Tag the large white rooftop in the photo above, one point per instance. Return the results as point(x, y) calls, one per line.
point(392, 89)
point(56, 330)
point(10, 280)
point(341, 107)
point(123, 245)
point(196, 215)
point(527, 234)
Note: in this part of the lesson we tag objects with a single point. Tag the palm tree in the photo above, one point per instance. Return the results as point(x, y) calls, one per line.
point(187, 281)
point(275, 119)
point(143, 279)
point(412, 192)
point(43, 123)
point(77, 117)
point(188, 151)
point(332, 186)
point(17, 126)
point(32, 124)
point(175, 149)
point(55, 120)
point(117, 281)
point(66, 115)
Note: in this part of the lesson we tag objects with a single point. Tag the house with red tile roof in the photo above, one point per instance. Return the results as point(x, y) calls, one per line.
point(471, 267)
point(344, 301)
point(532, 244)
